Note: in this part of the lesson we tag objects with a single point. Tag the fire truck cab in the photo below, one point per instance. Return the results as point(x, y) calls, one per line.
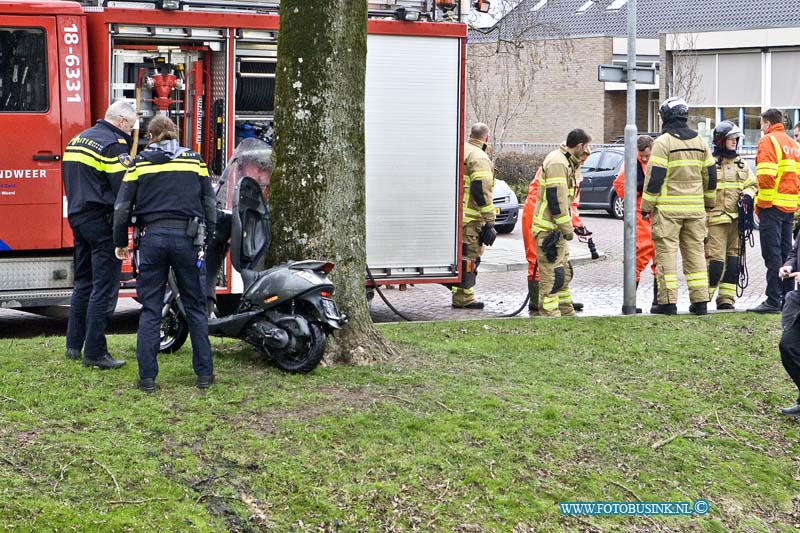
point(210, 67)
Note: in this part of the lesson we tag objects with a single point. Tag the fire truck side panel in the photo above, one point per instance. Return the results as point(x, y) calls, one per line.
point(30, 167)
point(74, 91)
point(413, 124)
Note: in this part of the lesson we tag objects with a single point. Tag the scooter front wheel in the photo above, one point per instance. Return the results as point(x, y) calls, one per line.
point(305, 354)
point(174, 331)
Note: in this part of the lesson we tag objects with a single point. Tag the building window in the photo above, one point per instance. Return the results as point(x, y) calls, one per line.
point(703, 120)
point(616, 4)
point(585, 7)
point(23, 70)
point(789, 119)
point(739, 82)
point(752, 125)
point(785, 71)
point(730, 113)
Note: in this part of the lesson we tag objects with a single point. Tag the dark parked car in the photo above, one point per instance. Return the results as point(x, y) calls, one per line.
point(506, 207)
point(599, 173)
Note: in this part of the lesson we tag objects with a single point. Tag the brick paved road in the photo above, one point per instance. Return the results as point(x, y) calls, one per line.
point(597, 284)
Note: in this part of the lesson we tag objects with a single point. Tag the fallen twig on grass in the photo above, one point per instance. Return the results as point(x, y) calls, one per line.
point(409, 402)
point(10, 399)
point(18, 467)
point(119, 492)
point(730, 435)
point(135, 502)
point(626, 489)
point(443, 406)
point(666, 441)
point(61, 474)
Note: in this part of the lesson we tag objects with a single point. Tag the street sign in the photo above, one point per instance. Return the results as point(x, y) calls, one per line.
point(619, 74)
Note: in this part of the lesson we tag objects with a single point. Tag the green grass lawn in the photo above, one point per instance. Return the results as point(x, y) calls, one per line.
point(478, 426)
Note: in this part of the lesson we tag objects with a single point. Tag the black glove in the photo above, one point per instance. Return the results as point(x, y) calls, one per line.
point(550, 246)
point(488, 234)
point(582, 231)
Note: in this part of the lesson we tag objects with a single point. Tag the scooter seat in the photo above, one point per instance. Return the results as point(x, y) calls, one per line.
point(249, 277)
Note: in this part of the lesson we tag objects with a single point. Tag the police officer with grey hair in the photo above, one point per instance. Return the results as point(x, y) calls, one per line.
point(95, 162)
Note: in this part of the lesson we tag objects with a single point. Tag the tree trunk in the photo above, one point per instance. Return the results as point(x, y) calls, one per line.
point(317, 190)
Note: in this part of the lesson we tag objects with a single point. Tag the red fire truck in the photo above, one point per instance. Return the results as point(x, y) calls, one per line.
point(209, 65)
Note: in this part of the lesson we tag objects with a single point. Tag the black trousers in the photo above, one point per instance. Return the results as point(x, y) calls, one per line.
point(775, 229)
point(95, 288)
point(790, 353)
point(160, 249)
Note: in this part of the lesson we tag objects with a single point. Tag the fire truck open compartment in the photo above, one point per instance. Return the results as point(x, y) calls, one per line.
point(180, 73)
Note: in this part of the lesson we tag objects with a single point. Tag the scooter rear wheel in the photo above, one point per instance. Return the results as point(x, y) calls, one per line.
point(306, 354)
point(174, 331)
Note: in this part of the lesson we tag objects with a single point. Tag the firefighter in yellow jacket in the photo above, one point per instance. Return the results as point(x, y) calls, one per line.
point(552, 224)
point(478, 220)
point(680, 184)
point(734, 178)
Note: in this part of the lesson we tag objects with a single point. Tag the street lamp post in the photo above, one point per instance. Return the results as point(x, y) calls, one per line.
point(629, 277)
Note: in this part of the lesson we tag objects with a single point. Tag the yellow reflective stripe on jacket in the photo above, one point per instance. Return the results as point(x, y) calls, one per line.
point(776, 170)
point(649, 197)
point(480, 174)
point(680, 208)
point(84, 159)
point(187, 165)
point(558, 180)
point(785, 200)
point(562, 219)
point(681, 200)
point(659, 161)
point(686, 163)
point(487, 208)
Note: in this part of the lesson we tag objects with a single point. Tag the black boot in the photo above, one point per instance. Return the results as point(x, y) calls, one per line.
point(699, 308)
point(668, 309)
point(105, 362)
point(533, 295)
point(655, 308)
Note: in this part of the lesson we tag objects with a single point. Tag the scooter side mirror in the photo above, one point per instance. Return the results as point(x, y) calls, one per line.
point(250, 228)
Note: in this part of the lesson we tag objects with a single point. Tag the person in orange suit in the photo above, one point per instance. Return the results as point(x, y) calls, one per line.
point(645, 250)
point(530, 242)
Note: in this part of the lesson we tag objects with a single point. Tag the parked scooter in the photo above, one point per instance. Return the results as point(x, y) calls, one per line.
point(285, 312)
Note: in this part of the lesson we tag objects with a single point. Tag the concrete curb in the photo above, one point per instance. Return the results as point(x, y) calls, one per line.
point(514, 267)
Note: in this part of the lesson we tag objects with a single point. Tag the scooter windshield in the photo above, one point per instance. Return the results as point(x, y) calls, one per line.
point(252, 158)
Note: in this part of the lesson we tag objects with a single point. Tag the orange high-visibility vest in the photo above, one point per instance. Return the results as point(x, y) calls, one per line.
point(777, 164)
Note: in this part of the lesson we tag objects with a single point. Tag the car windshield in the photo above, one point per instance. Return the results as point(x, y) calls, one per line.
point(592, 163)
point(611, 161)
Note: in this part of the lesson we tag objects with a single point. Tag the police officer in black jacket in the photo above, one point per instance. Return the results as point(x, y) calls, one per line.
point(168, 190)
point(790, 320)
point(94, 163)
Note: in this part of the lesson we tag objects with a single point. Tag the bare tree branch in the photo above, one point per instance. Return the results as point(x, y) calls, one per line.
point(686, 75)
point(502, 72)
